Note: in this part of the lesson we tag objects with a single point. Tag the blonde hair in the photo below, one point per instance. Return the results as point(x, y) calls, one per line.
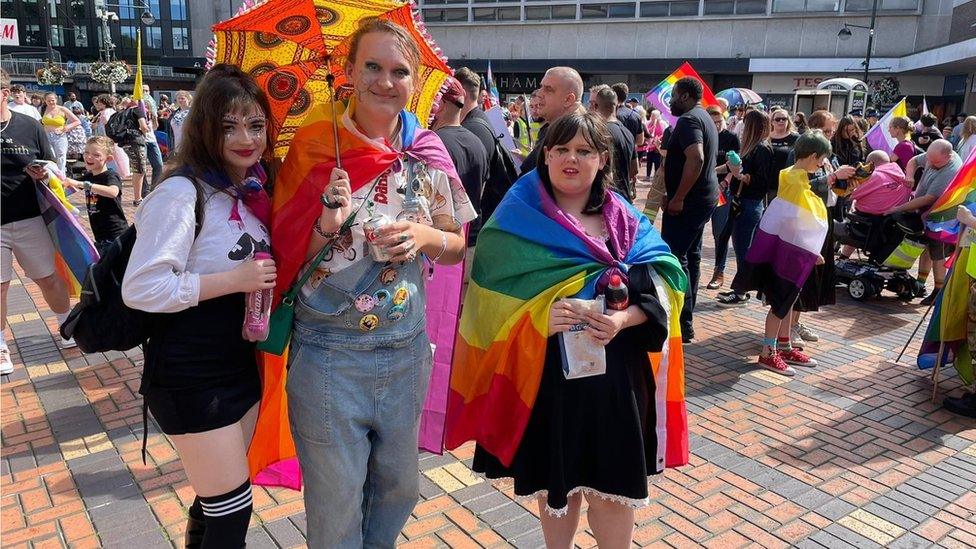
point(104, 143)
point(903, 123)
point(790, 127)
point(188, 95)
point(408, 47)
point(968, 127)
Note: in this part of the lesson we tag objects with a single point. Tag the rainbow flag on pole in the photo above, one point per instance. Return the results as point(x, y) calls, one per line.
point(492, 89)
point(530, 253)
point(940, 220)
point(878, 136)
point(660, 96)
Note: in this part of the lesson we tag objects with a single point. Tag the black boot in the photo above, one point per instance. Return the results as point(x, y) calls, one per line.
point(195, 528)
point(964, 405)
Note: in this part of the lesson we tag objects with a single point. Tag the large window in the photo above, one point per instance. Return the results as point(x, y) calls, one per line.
point(681, 8)
point(78, 8)
point(81, 37)
point(128, 36)
point(32, 8)
point(795, 6)
point(883, 5)
point(737, 7)
point(542, 13)
point(497, 14)
point(181, 38)
point(57, 36)
point(455, 15)
point(177, 10)
point(154, 38)
point(603, 11)
point(32, 35)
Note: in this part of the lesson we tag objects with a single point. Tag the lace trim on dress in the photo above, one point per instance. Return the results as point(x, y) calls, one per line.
point(562, 511)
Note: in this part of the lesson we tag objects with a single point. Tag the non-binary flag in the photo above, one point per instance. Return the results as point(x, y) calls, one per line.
point(137, 84)
point(660, 96)
point(878, 136)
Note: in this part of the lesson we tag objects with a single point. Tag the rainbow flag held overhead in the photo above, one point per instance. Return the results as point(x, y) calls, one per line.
point(878, 136)
point(940, 220)
point(531, 253)
point(660, 95)
point(787, 243)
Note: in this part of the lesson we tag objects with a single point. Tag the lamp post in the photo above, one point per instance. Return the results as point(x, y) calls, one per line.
point(147, 19)
point(845, 34)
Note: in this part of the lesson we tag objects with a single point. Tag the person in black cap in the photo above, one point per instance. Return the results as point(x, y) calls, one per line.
point(856, 114)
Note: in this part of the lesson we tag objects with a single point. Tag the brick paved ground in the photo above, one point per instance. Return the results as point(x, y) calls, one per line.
point(852, 453)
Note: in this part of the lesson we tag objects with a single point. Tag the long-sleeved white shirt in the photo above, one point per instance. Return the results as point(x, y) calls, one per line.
point(163, 274)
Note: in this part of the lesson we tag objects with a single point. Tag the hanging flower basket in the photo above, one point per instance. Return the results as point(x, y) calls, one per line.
point(109, 72)
point(886, 91)
point(51, 75)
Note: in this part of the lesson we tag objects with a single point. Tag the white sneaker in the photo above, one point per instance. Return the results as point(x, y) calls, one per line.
point(806, 333)
point(795, 339)
point(68, 343)
point(6, 366)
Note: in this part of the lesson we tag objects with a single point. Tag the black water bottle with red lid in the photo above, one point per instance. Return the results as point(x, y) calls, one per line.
point(616, 295)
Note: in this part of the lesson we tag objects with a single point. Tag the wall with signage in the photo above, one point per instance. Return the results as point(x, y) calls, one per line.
point(928, 84)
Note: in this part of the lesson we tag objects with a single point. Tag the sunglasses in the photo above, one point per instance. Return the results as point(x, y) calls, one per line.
point(780, 119)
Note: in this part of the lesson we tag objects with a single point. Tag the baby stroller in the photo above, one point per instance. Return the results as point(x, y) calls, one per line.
point(878, 241)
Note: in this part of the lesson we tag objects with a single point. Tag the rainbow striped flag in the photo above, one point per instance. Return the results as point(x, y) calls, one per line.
point(531, 253)
point(950, 320)
point(878, 136)
point(660, 95)
point(787, 243)
point(74, 251)
point(295, 206)
point(940, 220)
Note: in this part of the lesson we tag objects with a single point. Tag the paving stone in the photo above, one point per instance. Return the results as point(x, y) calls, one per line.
point(835, 509)
point(257, 538)
point(910, 541)
point(284, 533)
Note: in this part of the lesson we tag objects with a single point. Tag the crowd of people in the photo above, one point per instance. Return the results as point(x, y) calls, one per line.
point(366, 199)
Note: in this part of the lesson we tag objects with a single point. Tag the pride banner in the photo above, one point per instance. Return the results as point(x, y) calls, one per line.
point(660, 96)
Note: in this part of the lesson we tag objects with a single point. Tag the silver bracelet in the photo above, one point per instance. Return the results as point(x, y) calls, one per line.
point(443, 246)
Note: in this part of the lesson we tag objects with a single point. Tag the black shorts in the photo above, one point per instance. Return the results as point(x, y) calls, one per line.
point(938, 250)
point(200, 374)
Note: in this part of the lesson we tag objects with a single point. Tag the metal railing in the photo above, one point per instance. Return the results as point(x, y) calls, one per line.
point(29, 67)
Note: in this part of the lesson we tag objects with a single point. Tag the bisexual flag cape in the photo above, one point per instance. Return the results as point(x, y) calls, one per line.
point(295, 206)
point(787, 243)
point(531, 253)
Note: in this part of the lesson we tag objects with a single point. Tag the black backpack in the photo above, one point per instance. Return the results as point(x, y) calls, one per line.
point(503, 173)
point(119, 128)
point(101, 321)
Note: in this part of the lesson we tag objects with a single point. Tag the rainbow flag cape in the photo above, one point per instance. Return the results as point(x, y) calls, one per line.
point(74, 251)
point(529, 254)
point(940, 220)
point(660, 95)
point(295, 206)
point(787, 243)
point(950, 319)
point(878, 136)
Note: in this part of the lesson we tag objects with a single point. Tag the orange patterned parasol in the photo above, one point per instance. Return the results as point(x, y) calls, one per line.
point(292, 46)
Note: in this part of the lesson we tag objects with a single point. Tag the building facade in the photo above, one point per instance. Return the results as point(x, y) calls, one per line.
point(771, 46)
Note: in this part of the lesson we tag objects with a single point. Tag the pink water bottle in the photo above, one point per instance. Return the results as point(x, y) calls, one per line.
point(257, 310)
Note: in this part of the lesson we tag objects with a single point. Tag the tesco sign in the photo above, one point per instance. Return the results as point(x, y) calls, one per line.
point(8, 33)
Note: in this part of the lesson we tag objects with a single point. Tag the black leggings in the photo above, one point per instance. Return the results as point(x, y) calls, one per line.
point(653, 159)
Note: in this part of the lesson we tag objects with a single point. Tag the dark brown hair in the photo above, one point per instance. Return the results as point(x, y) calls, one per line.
point(224, 89)
point(596, 133)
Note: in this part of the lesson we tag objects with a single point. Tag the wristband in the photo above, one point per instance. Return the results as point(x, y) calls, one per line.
point(328, 236)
